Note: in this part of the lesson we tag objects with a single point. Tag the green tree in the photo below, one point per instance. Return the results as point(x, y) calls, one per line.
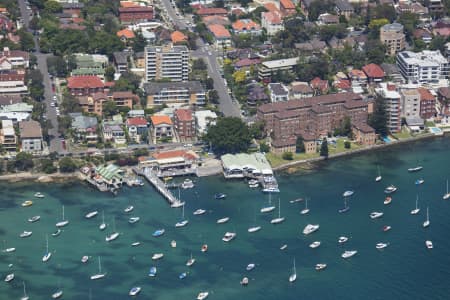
point(47, 166)
point(299, 145)
point(24, 161)
point(378, 119)
point(109, 73)
point(375, 51)
point(52, 7)
point(70, 103)
point(67, 165)
point(110, 109)
point(257, 130)
point(199, 64)
point(229, 135)
point(287, 156)
point(213, 96)
point(324, 148)
point(57, 66)
point(64, 124)
point(318, 7)
point(139, 42)
point(347, 145)
point(438, 43)
point(385, 11)
point(410, 22)
point(263, 147)
point(26, 40)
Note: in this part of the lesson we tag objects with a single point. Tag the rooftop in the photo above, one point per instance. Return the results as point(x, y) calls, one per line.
point(30, 129)
point(424, 58)
point(80, 82)
point(156, 87)
point(125, 33)
point(183, 114)
point(219, 31)
point(243, 161)
point(161, 119)
point(280, 63)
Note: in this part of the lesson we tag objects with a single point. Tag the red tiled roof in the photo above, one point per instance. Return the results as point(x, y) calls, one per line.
point(137, 121)
point(245, 24)
point(425, 94)
point(318, 83)
point(79, 82)
point(271, 6)
point(373, 71)
point(184, 114)
point(178, 37)
point(128, 4)
point(247, 62)
point(175, 153)
point(127, 33)
point(357, 73)
point(156, 120)
point(219, 31)
point(273, 17)
point(140, 9)
point(211, 11)
point(287, 4)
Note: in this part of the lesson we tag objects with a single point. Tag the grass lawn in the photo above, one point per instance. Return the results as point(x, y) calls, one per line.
point(403, 134)
point(277, 160)
point(430, 124)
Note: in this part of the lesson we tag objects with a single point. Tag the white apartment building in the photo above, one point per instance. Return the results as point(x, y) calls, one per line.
point(166, 62)
point(393, 105)
point(423, 67)
point(272, 22)
point(278, 92)
point(8, 137)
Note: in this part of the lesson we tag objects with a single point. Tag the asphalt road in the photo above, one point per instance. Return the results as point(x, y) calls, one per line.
point(55, 141)
point(226, 104)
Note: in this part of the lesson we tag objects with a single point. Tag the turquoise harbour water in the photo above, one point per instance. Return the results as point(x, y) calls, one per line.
point(404, 270)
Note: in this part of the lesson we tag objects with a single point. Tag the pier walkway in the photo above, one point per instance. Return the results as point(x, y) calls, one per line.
point(159, 185)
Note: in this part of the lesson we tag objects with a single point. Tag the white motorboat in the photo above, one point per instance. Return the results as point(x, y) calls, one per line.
point(199, 212)
point(315, 244)
point(187, 184)
point(9, 250)
point(190, 261)
point(387, 200)
point(427, 221)
point(386, 228)
point(283, 247)
point(57, 232)
point(419, 181)
point(26, 234)
point(310, 228)
point(157, 256)
point(342, 239)
point(39, 195)
point(91, 214)
point(223, 220)
point(133, 220)
point(47, 254)
point(34, 219)
point(244, 281)
point(380, 246)
point(254, 229)
point(320, 267)
point(99, 275)
point(9, 277)
point(348, 254)
point(250, 267)
point(429, 244)
point(447, 194)
point(229, 236)
point(306, 209)
point(135, 244)
point(85, 259)
point(293, 276)
point(112, 236)
point(204, 248)
point(129, 209)
point(152, 272)
point(417, 209)
point(390, 189)
point(63, 222)
point(279, 219)
point(348, 193)
point(57, 294)
point(202, 295)
point(173, 244)
point(134, 291)
point(376, 215)
point(415, 169)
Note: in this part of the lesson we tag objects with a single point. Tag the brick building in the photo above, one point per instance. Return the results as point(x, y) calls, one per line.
point(316, 115)
point(184, 124)
point(135, 14)
point(427, 103)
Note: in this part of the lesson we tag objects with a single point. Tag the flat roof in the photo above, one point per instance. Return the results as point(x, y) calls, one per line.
point(280, 63)
point(255, 161)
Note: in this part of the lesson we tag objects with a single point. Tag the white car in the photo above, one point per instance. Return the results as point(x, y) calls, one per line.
point(52, 104)
point(54, 97)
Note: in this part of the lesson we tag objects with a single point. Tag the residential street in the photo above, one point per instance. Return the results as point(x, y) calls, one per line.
point(55, 141)
point(226, 104)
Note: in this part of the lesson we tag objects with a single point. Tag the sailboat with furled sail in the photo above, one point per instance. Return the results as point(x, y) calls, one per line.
point(269, 207)
point(279, 219)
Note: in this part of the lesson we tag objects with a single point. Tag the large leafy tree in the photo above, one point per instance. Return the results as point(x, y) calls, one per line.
point(324, 148)
point(379, 117)
point(229, 135)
